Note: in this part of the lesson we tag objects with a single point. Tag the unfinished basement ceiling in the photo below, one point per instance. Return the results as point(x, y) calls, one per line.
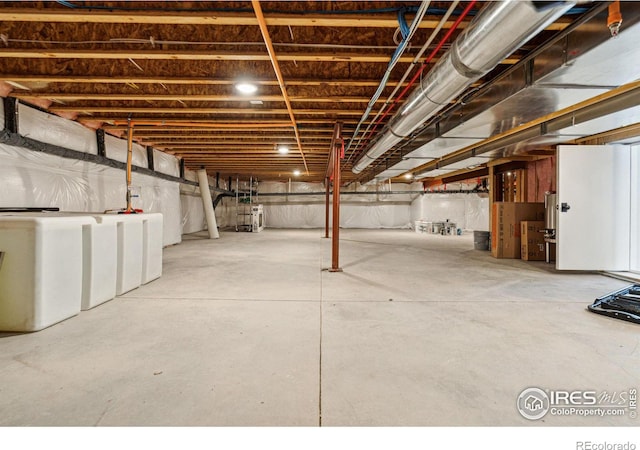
point(172, 68)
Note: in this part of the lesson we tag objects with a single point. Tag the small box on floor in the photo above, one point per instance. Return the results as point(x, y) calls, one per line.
point(532, 246)
point(505, 226)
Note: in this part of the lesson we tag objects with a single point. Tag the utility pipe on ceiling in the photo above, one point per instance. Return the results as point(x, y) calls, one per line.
point(499, 30)
point(394, 60)
point(374, 122)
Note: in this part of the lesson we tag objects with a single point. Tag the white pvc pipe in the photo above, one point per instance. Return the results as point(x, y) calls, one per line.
point(207, 203)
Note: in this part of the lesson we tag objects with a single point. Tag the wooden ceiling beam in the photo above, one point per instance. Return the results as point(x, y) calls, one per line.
point(159, 130)
point(195, 55)
point(243, 111)
point(230, 162)
point(249, 166)
point(65, 96)
point(270, 158)
point(249, 158)
point(219, 141)
point(112, 122)
point(184, 80)
point(280, 137)
point(205, 55)
point(216, 18)
point(265, 175)
point(240, 145)
point(176, 147)
point(205, 18)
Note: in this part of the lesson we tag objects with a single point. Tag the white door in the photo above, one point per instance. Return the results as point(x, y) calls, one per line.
point(593, 207)
point(635, 210)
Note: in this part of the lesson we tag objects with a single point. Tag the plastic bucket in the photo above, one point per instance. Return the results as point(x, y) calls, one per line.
point(481, 240)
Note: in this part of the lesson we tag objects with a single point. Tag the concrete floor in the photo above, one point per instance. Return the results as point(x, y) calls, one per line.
point(250, 330)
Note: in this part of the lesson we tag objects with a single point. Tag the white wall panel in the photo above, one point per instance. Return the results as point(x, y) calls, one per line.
point(117, 149)
point(35, 179)
point(467, 211)
point(634, 263)
point(55, 130)
point(165, 163)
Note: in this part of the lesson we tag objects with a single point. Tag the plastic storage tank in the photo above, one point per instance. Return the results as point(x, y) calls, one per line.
point(151, 247)
point(132, 247)
point(99, 257)
point(40, 270)
point(100, 262)
point(129, 273)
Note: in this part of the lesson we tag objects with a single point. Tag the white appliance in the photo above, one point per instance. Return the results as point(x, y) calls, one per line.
point(257, 218)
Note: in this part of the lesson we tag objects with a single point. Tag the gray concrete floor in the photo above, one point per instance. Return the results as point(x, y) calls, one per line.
point(250, 330)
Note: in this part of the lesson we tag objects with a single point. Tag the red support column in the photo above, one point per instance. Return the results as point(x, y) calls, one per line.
point(335, 244)
point(327, 182)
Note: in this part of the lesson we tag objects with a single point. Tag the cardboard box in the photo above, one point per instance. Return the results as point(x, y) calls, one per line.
point(505, 226)
point(532, 245)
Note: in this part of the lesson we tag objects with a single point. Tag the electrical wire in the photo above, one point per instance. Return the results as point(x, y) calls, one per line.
point(426, 45)
point(424, 65)
point(407, 35)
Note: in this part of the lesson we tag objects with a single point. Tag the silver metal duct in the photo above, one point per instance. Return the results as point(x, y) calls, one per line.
point(494, 34)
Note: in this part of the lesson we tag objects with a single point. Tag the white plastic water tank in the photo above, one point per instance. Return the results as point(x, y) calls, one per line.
point(100, 261)
point(40, 270)
point(130, 245)
point(151, 247)
point(99, 255)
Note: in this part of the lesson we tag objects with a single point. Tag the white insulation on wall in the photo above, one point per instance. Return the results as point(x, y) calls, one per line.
point(35, 179)
point(55, 130)
point(467, 211)
point(378, 210)
point(117, 149)
point(165, 163)
point(192, 217)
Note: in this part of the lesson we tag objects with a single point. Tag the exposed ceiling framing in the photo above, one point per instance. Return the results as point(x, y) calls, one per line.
point(172, 68)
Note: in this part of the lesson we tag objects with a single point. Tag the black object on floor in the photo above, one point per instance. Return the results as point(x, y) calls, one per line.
point(623, 304)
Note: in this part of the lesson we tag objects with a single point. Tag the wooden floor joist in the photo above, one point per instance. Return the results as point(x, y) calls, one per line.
point(217, 18)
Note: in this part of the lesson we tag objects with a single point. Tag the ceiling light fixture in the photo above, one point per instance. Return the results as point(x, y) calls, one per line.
point(296, 173)
point(283, 149)
point(408, 176)
point(246, 88)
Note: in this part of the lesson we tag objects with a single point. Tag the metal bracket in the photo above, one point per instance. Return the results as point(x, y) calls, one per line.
point(11, 114)
point(100, 140)
point(150, 160)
